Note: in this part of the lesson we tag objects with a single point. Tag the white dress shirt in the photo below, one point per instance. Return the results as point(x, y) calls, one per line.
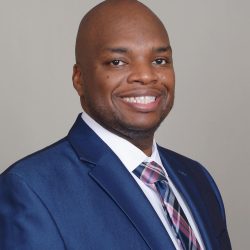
point(132, 157)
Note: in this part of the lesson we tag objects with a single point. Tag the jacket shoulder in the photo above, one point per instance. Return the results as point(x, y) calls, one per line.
point(199, 173)
point(40, 161)
point(178, 158)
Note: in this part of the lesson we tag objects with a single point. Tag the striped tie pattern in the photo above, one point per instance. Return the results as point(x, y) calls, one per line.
point(153, 176)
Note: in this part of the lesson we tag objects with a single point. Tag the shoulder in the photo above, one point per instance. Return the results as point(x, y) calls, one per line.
point(199, 174)
point(173, 154)
point(183, 161)
point(25, 188)
point(44, 174)
point(43, 164)
point(179, 159)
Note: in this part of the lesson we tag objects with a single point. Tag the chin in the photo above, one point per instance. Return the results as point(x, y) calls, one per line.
point(143, 127)
point(145, 122)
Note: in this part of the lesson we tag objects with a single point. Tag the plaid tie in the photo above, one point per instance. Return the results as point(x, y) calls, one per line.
point(153, 176)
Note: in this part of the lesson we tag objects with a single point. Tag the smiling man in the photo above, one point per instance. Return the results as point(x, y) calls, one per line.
point(124, 72)
point(107, 184)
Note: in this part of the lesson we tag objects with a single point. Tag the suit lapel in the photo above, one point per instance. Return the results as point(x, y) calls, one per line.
point(114, 178)
point(110, 174)
point(193, 196)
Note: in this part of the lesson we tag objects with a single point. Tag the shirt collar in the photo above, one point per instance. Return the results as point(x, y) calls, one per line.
point(129, 154)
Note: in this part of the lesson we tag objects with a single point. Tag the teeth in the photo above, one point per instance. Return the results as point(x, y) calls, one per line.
point(140, 99)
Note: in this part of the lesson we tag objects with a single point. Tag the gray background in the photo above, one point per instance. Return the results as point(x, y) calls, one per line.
point(210, 121)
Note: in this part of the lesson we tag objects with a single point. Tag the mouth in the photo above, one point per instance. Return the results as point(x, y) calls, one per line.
point(142, 103)
point(140, 99)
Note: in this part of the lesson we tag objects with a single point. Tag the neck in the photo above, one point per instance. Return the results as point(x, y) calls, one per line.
point(144, 144)
point(142, 139)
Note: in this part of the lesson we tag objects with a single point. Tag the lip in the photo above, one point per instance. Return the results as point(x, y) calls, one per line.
point(158, 93)
point(143, 107)
point(140, 92)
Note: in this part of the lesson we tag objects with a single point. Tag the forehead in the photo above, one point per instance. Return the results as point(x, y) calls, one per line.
point(125, 32)
point(124, 25)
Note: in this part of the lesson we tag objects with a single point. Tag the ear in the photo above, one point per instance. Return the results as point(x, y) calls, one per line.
point(77, 79)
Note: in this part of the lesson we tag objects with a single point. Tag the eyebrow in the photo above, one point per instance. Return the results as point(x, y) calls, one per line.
point(117, 50)
point(163, 49)
point(123, 50)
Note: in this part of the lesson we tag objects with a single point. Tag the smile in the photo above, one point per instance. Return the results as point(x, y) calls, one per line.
point(140, 99)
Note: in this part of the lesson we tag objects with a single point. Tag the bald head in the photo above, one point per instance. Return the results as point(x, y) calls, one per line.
point(111, 18)
point(124, 72)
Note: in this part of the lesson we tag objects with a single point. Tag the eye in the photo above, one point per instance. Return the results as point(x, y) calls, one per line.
point(160, 61)
point(117, 63)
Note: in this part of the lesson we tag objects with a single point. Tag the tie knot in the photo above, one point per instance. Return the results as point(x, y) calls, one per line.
point(149, 172)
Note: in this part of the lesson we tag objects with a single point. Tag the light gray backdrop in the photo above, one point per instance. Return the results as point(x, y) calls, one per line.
point(210, 121)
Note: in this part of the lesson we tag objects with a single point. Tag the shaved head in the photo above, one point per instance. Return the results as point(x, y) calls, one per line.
point(124, 72)
point(108, 17)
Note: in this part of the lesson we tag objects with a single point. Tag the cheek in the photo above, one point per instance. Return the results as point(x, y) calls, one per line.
point(168, 80)
point(100, 91)
point(104, 85)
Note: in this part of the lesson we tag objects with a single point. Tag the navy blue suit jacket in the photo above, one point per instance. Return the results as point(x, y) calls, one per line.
point(76, 194)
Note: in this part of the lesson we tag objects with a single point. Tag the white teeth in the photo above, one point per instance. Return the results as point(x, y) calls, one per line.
point(140, 99)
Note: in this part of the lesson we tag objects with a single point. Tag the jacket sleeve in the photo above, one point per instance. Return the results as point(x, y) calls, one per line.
point(25, 222)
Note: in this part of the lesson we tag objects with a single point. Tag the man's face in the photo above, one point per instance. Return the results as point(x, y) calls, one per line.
point(127, 78)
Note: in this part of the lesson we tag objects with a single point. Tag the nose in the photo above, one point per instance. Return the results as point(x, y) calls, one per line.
point(143, 73)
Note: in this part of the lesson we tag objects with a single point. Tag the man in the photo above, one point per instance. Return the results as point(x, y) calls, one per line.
point(86, 191)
